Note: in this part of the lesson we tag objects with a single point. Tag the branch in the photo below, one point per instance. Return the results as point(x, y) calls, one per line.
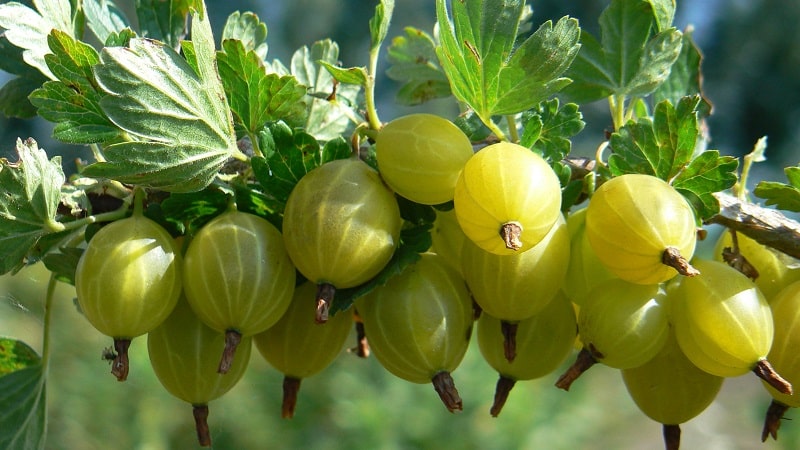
point(767, 226)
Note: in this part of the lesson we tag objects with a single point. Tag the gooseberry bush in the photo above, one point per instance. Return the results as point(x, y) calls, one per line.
point(234, 199)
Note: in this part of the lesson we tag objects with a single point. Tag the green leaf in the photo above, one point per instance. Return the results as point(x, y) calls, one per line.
point(685, 77)
point(630, 60)
point(664, 13)
point(120, 39)
point(485, 70)
point(661, 147)
point(11, 59)
point(16, 355)
point(288, 156)
point(337, 148)
point(179, 118)
point(255, 96)
point(28, 29)
point(73, 102)
point(30, 192)
point(247, 28)
point(14, 94)
point(548, 129)
point(24, 405)
point(104, 18)
point(706, 174)
point(330, 106)
point(379, 23)
point(190, 211)
point(352, 75)
point(783, 196)
point(413, 62)
point(164, 20)
point(63, 263)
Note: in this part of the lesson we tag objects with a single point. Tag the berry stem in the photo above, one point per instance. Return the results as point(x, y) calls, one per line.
point(772, 420)
point(501, 391)
point(291, 386)
point(734, 257)
point(511, 233)
point(476, 309)
point(325, 294)
point(509, 331)
point(232, 339)
point(672, 437)
point(582, 363)
point(362, 345)
point(764, 370)
point(121, 365)
point(672, 257)
point(446, 388)
point(201, 425)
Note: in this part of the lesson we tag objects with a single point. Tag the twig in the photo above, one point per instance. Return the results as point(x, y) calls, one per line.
point(766, 226)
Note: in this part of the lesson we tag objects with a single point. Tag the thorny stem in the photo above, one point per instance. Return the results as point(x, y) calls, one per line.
point(232, 340)
point(446, 388)
point(291, 386)
point(509, 331)
point(672, 437)
point(772, 420)
point(325, 294)
point(673, 258)
point(501, 391)
point(582, 363)
point(764, 370)
point(511, 232)
point(201, 425)
point(121, 365)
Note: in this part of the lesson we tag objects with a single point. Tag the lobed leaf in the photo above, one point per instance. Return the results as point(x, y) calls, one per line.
point(685, 77)
point(661, 147)
point(28, 29)
point(256, 97)
point(179, 121)
point(784, 196)
point(30, 192)
point(412, 59)
point(104, 18)
point(73, 102)
point(249, 29)
point(706, 174)
point(329, 106)
point(629, 59)
point(22, 396)
point(288, 155)
point(549, 127)
point(165, 20)
point(486, 72)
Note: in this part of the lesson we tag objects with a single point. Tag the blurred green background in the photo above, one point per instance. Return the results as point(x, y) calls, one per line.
point(752, 76)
